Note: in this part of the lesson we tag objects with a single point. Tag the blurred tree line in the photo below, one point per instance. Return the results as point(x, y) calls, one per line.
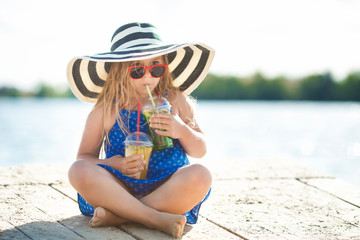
point(42, 91)
point(317, 87)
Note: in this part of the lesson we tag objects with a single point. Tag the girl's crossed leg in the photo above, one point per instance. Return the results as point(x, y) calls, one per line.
point(161, 209)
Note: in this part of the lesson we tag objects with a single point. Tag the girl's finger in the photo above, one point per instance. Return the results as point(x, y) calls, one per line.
point(161, 115)
point(133, 158)
point(132, 175)
point(160, 120)
point(135, 164)
point(162, 133)
point(132, 171)
point(159, 126)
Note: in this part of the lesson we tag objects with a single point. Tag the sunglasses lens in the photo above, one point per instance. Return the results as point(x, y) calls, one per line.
point(137, 72)
point(157, 71)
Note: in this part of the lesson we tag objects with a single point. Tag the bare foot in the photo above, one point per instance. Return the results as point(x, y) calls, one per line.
point(177, 228)
point(171, 224)
point(103, 217)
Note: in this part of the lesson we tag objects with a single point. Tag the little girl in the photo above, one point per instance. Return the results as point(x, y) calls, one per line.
point(172, 193)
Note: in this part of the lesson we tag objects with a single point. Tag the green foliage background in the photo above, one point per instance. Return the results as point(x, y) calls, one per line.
point(317, 87)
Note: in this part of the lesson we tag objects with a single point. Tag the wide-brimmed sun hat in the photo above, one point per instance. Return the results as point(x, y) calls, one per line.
point(188, 62)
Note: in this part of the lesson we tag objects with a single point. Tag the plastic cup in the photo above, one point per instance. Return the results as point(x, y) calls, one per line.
point(139, 143)
point(162, 106)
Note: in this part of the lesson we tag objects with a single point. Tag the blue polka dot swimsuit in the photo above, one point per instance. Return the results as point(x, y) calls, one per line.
point(162, 164)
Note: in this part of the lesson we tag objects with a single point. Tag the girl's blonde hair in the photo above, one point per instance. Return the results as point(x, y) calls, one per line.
point(116, 90)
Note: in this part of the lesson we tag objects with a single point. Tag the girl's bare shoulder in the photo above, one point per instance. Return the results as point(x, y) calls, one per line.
point(177, 100)
point(96, 114)
point(183, 106)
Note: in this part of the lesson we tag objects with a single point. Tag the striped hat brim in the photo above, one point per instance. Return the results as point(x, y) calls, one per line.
point(188, 63)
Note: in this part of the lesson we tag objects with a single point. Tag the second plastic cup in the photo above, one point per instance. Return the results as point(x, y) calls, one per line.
point(162, 106)
point(139, 143)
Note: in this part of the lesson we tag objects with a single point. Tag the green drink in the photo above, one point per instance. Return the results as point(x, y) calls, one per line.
point(162, 106)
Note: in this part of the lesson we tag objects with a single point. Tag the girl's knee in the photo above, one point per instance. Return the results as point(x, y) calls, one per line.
point(79, 173)
point(201, 175)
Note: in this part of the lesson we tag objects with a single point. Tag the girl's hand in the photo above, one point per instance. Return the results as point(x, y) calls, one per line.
point(172, 124)
point(128, 166)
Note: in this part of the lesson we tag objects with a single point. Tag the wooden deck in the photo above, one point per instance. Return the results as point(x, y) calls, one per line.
point(251, 199)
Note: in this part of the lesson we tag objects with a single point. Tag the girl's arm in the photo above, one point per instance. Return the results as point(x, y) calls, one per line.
point(91, 142)
point(92, 137)
point(183, 126)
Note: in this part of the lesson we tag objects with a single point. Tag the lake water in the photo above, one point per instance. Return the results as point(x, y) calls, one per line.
point(325, 136)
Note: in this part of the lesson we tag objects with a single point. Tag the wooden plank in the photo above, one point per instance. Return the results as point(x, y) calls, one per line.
point(247, 168)
point(64, 210)
point(338, 188)
point(80, 224)
point(280, 209)
point(202, 230)
point(34, 174)
point(29, 219)
point(46, 199)
point(66, 189)
point(8, 231)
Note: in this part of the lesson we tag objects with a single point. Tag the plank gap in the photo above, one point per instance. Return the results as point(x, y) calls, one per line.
point(71, 230)
point(331, 194)
point(129, 232)
point(20, 230)
point(226, 229)
point(51, 185)
point(18, 195)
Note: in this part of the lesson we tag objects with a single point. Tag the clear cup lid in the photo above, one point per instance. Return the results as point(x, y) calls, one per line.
point(163, 102)
point(138, 138)
point(160, 104)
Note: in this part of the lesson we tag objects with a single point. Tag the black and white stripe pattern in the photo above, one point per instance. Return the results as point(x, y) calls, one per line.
point(188, 63)
point(134, 35)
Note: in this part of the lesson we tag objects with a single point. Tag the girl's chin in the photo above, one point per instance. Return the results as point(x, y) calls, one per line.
point(144, 93)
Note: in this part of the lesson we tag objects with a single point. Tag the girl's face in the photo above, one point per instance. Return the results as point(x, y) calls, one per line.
point(147, 79)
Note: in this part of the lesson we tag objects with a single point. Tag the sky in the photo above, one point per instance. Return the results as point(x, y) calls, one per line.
point(293, 38)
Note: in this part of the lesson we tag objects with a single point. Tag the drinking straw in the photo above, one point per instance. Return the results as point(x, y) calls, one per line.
point(151, 98)
point(138, 123)
point(138, 116)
